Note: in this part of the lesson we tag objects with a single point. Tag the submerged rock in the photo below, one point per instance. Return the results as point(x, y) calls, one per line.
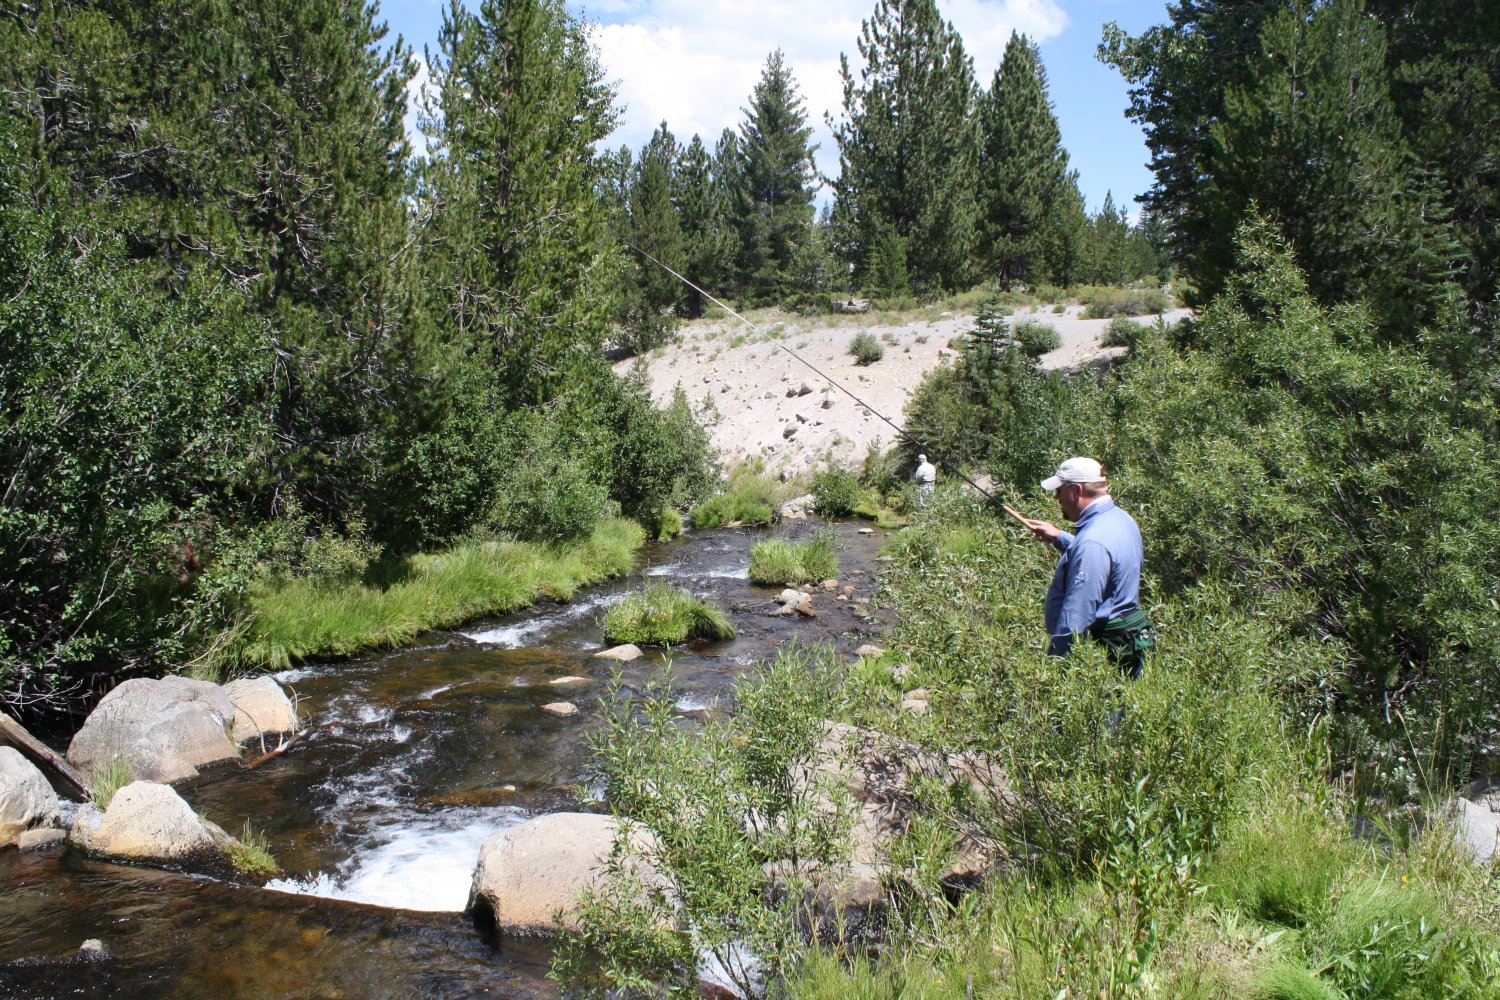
point(26, 799)
point(535, 870)
point(563, 708)
point(629, 651)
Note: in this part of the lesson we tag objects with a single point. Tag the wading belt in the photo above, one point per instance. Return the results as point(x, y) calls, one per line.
point(1129, 637)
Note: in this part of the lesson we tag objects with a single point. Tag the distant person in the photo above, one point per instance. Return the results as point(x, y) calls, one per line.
point(1096, 587)
point(926, 479)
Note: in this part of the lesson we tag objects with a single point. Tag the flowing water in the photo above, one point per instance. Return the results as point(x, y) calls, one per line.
point(413, 759)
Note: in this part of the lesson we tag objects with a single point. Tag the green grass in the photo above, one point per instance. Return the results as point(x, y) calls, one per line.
point(727, 508)
point(250, 854)
point(108, 780)
point(662, 615)
point(780, 563)
point(299, 620)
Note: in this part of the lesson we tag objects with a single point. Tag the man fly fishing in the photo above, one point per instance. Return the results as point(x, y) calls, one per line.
point(1097, 584)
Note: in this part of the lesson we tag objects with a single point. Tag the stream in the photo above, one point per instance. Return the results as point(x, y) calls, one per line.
point(414, 758)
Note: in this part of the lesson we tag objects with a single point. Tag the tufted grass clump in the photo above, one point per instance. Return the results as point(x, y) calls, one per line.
point(250, 854)
point(776, 562)
point(731, 508)
point(661, 615)
point(108, 780)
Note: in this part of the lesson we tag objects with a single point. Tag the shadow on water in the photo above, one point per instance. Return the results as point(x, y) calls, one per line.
point(414, 758)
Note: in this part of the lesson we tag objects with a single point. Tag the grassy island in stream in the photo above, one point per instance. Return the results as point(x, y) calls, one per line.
point(301, 620)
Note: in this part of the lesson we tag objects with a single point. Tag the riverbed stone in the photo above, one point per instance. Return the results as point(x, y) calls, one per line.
point(562, 708)
point(1476, 830)
point(26, 799)
point(164, 730)
point(568, 680)
point(530, 872)
point(40, 839)
point(145, 821)
point(629, 651)
point(261, 708)
point(869, 649)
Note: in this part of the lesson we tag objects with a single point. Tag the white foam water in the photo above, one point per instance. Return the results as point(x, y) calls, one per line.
point(420, 862)
point(517, 635)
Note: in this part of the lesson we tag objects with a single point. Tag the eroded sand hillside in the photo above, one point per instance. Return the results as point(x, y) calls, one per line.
point(744, 388)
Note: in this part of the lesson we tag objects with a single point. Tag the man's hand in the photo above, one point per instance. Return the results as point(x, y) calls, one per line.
point(1043, 531)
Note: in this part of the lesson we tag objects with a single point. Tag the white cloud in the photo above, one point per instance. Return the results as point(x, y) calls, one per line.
point(694, 62)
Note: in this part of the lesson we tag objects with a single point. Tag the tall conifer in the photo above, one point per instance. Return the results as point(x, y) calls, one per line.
point(519, 233)
point(653, 229)
point(710, 242)
point(1031, 211)
point(908, 145)
point(777, 183)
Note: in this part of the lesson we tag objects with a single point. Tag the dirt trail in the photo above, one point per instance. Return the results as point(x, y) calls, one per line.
point(738, 383)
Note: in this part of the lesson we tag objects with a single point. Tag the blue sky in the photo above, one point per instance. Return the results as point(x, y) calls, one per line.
point(694, 62)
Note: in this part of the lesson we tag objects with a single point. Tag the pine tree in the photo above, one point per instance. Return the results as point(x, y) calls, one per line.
point(1312, 139)
point(520, 249)
point(710, 242)
point(908, 146)
point(777, 183)
point(653, 229)
point(1031, 223)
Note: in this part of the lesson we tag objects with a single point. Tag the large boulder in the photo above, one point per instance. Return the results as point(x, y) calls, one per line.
point(261, 708)
point(26, 799)
point(534, 872)
point(146, 822)
point(1477, 830)
point(164, 730)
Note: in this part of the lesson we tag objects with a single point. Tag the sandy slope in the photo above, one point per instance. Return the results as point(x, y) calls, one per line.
point(740, 390)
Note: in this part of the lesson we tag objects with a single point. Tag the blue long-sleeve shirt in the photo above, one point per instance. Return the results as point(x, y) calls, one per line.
point(1098, 576)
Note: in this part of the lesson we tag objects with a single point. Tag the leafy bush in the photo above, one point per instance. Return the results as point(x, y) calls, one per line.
point(1104, 302)
point(780, 563)
point(836, 491)
point(1035, 338)
point(866, 349)
point(746, 830)
point(1329, 480)
point(1123, 332)
point(661, 615)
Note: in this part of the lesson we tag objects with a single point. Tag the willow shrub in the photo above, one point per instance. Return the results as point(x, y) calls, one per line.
point(744, 828)
point(1327, 478)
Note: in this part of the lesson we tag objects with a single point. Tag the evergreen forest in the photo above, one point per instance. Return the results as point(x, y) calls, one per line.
point(256, 350)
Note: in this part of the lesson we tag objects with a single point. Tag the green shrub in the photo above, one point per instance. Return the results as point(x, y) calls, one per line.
point(662, 615)
point(1035, 338)
point(775, 562)
point(745, 827)
point(1105, 302)
point(835, 492)
point(1123, 332)
point(866, 349)
point(663, 524)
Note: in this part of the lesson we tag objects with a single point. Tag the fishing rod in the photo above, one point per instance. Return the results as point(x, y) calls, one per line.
point(901, 431)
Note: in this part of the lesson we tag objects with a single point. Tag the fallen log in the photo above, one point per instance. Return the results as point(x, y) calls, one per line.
point(277, 751)
point(65, 780)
